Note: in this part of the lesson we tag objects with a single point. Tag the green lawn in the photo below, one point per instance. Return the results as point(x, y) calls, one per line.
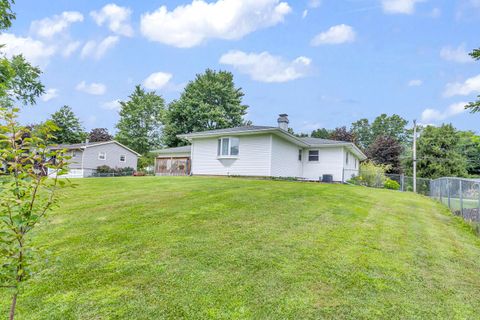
point(220, 248)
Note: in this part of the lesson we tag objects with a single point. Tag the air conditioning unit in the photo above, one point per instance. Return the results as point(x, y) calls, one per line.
point(327, 178)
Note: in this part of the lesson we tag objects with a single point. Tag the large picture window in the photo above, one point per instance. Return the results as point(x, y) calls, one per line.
point(228, 147)
point(313, 155)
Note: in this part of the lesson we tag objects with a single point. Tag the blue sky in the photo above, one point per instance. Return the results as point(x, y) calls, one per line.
point(326, 63)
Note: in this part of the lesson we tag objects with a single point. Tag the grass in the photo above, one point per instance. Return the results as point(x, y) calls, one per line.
point(220, 248)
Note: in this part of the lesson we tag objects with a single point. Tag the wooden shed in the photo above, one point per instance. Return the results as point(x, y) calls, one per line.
point(173, 161)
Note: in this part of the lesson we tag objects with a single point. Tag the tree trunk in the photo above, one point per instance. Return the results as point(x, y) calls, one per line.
point(12, 308)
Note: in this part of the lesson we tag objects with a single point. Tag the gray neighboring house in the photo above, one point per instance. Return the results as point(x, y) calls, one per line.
point(86, 157)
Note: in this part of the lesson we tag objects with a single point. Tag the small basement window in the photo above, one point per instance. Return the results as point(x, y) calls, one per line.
point(102, 156)
point(347, 157)
point(228, 147)
point(313, 155)
point(123, 158)
point(299, 154)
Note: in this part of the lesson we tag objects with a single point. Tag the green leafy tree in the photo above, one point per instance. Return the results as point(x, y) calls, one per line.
point(211, 101)
point(389, 126)
point(469, 147)
point(99, 135)
point(6, 14)
point(363, 131)
point(438, 154)
point(321, 133)
point(69, 127)
point(474, 106)
point(140, 124)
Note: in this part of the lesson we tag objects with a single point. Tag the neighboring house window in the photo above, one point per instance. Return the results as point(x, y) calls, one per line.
point(74, 154)
point(102, 156)
point(228, 147)
point(355, 163)
point(299, 154)
point(313, 155)
point(347, 157)
point(123, 158)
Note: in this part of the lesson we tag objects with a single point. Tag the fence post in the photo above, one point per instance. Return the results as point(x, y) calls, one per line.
point(449, 194)
point(461, 196)
point(402, 182)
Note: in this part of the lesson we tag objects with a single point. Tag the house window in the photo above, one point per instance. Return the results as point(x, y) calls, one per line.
point(299, 154)
point(313, 155)
point(347, 157)
point(123, 158)
point(355, 163)
point(74, 153)
point(102, 156)
point(228, 147)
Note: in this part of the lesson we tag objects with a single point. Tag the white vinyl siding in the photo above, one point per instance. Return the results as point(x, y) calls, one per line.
point(253, 157)
point(330, 161)
point(285, 161)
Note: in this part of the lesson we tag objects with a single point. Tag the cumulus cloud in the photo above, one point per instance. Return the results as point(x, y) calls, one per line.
point(429, 115)
point(96, 49)
point(49, 94)
point(112, 105)
point(415, 83)
point(70, 48)
point(35, 51)
point(341, 33)
point(458, 54)
point(399, 6)
point(50, 27)
point(157, 80)
point(265, 67)
point(190, 25)
point(96, 89)
point(117, 18)
point(469, 86)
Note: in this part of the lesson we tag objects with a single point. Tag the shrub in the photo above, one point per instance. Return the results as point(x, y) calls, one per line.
point(391, 184)
point(104, 169)
point(371, 175)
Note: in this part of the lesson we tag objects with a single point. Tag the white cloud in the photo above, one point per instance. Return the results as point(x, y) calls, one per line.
point(458, 54)
point(190, 25)
point(436, 12)
point(97, 50)
point(399, 6)
point(49, 27)
point(437, 115)
point(341, 33)
point(157, 80)
point(304, 14)
point(415, 83)
point(112, 105)
point(265, 67)
point(34, 51)
point(93, 88)
point(117, 18)
point(314, 3)
point(49, 94)
point(70, 48)
point(469, 86)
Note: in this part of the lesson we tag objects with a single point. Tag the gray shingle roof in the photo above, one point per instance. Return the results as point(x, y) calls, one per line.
point(233, 130)
point(75, 145)
point(318, 141)
point(183, 149)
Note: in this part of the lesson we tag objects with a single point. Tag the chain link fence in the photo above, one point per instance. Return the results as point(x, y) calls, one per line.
point(462, 196)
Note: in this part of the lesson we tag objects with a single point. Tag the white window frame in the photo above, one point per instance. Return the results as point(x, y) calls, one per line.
point(318, 155)
point(104, 156)
point(300, 154)
point(220, 145)
point(124, 158)
point(74, 153)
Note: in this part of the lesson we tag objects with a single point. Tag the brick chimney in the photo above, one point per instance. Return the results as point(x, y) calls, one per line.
point(283, 121)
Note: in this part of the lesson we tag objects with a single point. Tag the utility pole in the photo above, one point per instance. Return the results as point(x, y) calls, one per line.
point(415, 156)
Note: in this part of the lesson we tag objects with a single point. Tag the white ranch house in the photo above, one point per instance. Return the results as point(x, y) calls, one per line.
point(261, 151)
